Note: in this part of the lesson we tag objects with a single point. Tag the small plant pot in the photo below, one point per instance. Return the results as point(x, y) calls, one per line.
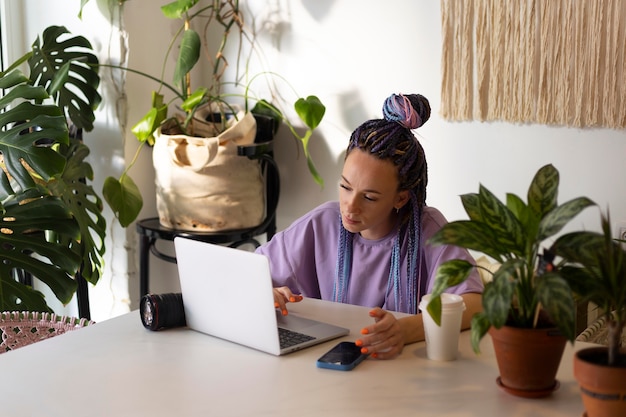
point(602, 387)
point(528, 360)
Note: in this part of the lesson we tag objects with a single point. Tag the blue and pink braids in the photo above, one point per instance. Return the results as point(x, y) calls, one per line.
point(391, 139)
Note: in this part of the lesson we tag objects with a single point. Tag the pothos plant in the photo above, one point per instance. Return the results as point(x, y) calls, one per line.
point(512, 233)
point(51, 225)
point(228, 17)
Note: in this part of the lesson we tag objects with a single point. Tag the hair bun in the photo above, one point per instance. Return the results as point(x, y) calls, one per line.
point(411, 110)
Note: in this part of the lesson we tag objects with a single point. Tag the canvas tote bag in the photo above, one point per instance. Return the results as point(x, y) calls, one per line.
point(201, 182)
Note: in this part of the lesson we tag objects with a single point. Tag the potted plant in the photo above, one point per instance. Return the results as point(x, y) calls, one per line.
point(595, 268)
point(525, 298)
point(51, 225)
point(207, 112)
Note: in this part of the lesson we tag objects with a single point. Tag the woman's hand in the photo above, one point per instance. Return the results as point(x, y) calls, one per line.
point(384, 339)
point(282, 296)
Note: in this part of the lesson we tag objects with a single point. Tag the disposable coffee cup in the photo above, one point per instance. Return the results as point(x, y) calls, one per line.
point(442, 342)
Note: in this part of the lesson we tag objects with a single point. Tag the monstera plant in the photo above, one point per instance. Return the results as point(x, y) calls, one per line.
point(51, 225)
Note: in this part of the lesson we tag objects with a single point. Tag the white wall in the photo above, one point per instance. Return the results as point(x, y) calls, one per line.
point(353, 54)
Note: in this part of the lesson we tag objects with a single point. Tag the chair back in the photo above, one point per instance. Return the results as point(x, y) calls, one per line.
point(20, 329)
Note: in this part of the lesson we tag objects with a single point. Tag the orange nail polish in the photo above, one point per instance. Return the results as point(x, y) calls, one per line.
point(375, 355)
point(364, 331)
point(292, 299)
point(276, 305)
point(364, 351)
point(284, 312)
point(358, 342)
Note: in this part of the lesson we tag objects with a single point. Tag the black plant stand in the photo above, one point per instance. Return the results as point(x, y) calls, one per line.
point(150, 230)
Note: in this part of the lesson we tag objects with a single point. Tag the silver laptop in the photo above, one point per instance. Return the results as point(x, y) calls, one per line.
point(216, 280)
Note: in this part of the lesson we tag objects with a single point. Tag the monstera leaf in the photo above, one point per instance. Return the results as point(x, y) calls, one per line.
point(24, 227)
point(85, 205)
point(65, 68)
point(28, 132)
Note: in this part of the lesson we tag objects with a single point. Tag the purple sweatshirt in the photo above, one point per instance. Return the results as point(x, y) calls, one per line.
point(304, 258)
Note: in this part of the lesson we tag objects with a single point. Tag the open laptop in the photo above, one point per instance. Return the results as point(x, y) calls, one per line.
point(216, 281)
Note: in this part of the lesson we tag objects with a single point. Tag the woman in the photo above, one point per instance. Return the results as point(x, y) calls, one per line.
point(370, 248)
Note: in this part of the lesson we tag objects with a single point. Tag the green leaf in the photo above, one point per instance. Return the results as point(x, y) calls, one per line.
point(583, 247)
point(194, 100)
point(543, 190)
point(124, 198)
point(20, 297)
point(311, 111)
point(264, 108)
point(434, 309)
point(82, 6)
point(471, 204)
point(556, 219)
point(523, 214)
point(59, 79)
point(498, 294)
point(86, 207)
point(470, 235)
point(450, 274)
point(146, 127)
point(595, 268)
point(188, 57)
point(65, 67)
point(23, 230)
point(585, 282)
point(556, 298)
point(480, 327)
point(313, 170)
point(176, 9)
point(501, 221)
point(30, 141)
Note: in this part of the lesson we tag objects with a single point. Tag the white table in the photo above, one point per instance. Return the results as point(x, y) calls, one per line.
point(118, 368)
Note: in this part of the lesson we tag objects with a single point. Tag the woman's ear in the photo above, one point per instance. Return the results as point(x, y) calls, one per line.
point(401, 199)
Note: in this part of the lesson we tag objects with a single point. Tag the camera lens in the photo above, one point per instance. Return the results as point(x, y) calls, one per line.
point(162, 311)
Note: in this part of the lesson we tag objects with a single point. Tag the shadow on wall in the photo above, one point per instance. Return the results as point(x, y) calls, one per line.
point(352, 111)
point(298, 191)
point(318, 9)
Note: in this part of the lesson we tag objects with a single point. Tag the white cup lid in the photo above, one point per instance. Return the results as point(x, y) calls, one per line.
point(448, 301)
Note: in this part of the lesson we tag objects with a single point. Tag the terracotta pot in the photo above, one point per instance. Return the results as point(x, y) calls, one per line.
point(602, 387)
point(528, 359)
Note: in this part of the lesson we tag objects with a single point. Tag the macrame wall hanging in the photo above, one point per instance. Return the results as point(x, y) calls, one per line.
point(558, 62)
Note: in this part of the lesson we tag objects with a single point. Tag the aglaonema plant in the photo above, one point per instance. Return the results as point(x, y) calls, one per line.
point(512, 233)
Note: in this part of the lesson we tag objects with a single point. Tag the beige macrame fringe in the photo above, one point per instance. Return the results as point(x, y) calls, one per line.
point(555, 62)
point(456, 34)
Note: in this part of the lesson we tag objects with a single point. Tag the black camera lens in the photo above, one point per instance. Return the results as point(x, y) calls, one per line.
point(162, 311)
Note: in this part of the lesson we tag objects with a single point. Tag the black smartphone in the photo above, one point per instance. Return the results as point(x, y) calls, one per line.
point(343, 357)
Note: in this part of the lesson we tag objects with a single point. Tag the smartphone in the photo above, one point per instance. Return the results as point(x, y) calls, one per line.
point(343, 357)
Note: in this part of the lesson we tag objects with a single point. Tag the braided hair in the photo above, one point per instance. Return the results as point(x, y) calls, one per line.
point(391, 139)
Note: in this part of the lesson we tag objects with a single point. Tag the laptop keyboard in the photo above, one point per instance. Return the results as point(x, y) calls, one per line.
point(289, 337)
